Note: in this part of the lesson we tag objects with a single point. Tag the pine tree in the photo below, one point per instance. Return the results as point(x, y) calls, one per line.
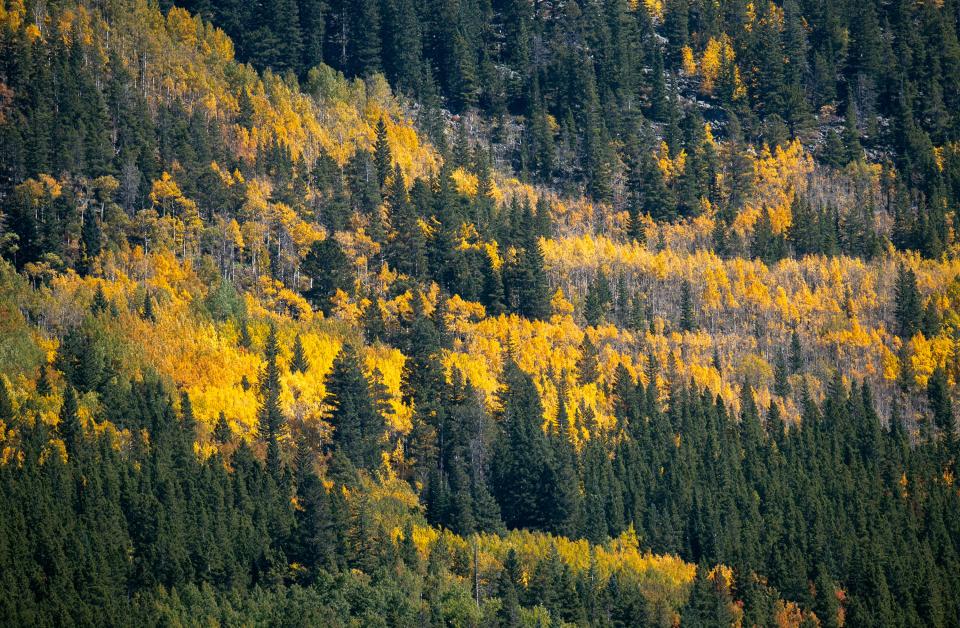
point(148, 313)
point(796, 352)
point(709, 603)
point(406, 248)
point(221, 431)
point(70, 429)
point(851, 133)
point(92, 241)
point(938, 396)
point(381, 153)
point(6, 405)
point(588, 365)
point(244, 339)
point(299, 362)
point(534, 291)
point(908, 307)
point(358, 425)
point(99, 303)
point(781, 383)
point(270, 420)
point(327, 267)
point(523, 476)
point(598, 300)
point(492, 295)
point(43, 381)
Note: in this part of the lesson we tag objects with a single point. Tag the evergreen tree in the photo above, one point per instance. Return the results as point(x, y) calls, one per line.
point(523, 476)
point(358, 425)
point(327, 267)
point(299, 362)
point(270, 419)
point(6, 405)
point(908, 306)
point(381, 153)
point(938, 396)
point(69, 428)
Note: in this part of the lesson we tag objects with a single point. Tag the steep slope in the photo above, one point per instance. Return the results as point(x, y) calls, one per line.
point(293, 360)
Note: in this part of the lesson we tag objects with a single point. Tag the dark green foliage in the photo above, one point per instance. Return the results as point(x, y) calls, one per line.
point(270, 419)
point(327, 267)
point(938, 396)
point(381, 153)
point(709, 604)
point(598, 300)
point(357, 423)
point(909, 308)
point(524, 472)
point(69, 428)
point(85, 357)
point(299, 362)
point(148, 312)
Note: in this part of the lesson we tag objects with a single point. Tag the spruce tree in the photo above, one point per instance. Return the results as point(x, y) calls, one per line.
point(381, 153)
point(358, 425)
point(6, 405)
point(327, 267)
point(299, 362)
point(909, 310)
point(69, 428)
point(523, 474)
point(938, 397)
point(270, 420)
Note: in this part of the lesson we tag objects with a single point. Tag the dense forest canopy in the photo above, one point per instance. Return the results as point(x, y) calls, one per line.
point(479, 312)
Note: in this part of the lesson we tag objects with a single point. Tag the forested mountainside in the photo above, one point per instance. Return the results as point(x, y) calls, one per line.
point(473, 313)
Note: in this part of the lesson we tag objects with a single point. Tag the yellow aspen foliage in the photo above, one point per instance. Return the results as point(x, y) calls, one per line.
point(559, 305)
point(687, 64)
point(671, 167)
point(386, 364)
point(460, 314)
point(654, 7)
point(465, 182)
point(12, 13)
point(928, 355)
point(718, 56)
point(778, 177)
point(54, 448)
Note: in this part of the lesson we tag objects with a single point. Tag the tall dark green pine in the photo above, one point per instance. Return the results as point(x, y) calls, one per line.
point(796, 352)
point(688, 315)
point(363, 43)
point(358, 426)
point(328, 270)
point(299, 362)
point(534, 289)
point(492, 295)
point(406, 248)
point(522, 473)
point(598, 300)
point(938, 397)
point(92, 241)
point(381, 153)
point(69, 427)
point(909, 310)
point(781, 372)
point(403, 47)
point(851, 133)
point(6, 405)
point(270, 420)
point(709, 605)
